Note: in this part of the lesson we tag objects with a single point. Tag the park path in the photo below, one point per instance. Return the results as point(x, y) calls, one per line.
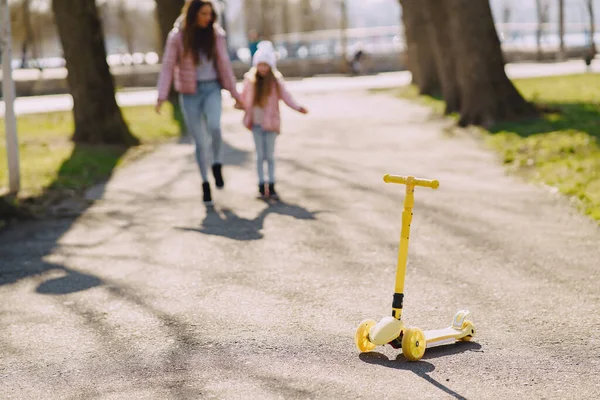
point(150, 296)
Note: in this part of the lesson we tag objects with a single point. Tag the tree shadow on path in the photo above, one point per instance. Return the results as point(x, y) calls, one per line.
point(422, 368)
point(22, 253)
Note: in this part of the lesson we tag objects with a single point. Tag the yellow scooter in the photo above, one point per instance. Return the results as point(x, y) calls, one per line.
point(391, 330)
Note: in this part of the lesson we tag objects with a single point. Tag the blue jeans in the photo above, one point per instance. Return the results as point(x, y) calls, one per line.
point(202, 112)
point(265, 150)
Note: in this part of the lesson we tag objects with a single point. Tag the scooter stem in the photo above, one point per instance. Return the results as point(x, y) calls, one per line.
point(407, 213)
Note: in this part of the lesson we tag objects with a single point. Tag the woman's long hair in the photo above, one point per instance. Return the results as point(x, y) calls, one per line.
point(263, 86)
point(196, 39)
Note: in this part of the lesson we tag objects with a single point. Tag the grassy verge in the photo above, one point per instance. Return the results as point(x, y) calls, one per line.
point(562, 148)
point(51, 165)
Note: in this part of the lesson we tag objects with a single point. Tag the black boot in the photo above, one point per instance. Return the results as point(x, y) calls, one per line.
point(218, 174)
point(206, 197)
point(272, 193)
point(262, 191)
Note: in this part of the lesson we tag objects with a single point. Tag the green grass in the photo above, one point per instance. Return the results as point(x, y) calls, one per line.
point(50, 162)
point(561, 148)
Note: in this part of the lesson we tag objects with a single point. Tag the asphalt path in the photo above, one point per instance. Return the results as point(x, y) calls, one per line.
point(149, 295)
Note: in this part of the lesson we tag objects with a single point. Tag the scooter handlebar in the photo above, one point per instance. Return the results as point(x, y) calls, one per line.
point(403, 180)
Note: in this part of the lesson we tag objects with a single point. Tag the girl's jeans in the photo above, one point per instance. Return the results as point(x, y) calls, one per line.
point(265, 149)
point(204, 106)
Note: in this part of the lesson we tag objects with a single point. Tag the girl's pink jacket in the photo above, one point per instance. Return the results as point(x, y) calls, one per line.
point(183, 70)
point(271, 116)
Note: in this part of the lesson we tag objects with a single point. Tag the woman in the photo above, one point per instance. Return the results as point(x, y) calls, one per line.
point(196, 59)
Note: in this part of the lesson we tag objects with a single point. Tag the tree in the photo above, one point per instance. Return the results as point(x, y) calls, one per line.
point(507, 12)
point(167, 12)
point(285, 12)
point(29, 36)
point(543, 16)
point(437, 15)
point(561, 29)
point(308, 16)
point(267, 23)
point(344, 35)
point(33, 28)
point(98, 118)
point(421, 60)
point(590, 7)
point(125, 27)
point(487, 96)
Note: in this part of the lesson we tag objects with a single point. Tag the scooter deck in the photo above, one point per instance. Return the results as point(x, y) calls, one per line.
point(439, 337)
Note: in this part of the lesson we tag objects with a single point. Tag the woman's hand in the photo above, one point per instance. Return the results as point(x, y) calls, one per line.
point(158, 106)
point(303, 110)
point(238, 105)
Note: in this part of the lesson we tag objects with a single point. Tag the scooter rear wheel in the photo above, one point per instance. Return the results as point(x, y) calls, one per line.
point(413, 344)
point(361, 337)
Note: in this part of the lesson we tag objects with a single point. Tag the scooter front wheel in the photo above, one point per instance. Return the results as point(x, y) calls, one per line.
point(413, 344)
point(361, 337)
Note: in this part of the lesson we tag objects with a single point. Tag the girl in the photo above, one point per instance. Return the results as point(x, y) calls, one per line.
point(263, 88)
point(196, 58)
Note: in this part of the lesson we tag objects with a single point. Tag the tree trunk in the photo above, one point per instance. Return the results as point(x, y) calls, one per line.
point(543, 15)
point(437, 15)
point(29, 36)
point(97, 117)
point(285, 12)
point(561, 30)
point(252, 19)
point(344, 36)
point(267, 23)
point(506, 16)
point(421, 60)
point(167, 12)
point(539, 30)
point(506, 13)
point(409, 47)
point(487, 95)
point(308, 21)
point(590, 7)
point(125, 27)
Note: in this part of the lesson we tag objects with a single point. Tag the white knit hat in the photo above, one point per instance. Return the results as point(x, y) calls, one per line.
point(265, 53)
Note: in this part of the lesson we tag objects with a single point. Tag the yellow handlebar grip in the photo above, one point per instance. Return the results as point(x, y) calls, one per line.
point(403, 180)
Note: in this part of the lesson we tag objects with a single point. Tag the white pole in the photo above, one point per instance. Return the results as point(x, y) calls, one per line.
point(8, 92)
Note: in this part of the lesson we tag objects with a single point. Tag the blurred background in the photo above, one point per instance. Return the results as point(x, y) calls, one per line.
point(315, 32)
point(328, 39)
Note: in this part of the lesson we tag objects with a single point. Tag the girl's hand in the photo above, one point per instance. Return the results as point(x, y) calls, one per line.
point(158, 106)
point(238, 105)
point(303, 110)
